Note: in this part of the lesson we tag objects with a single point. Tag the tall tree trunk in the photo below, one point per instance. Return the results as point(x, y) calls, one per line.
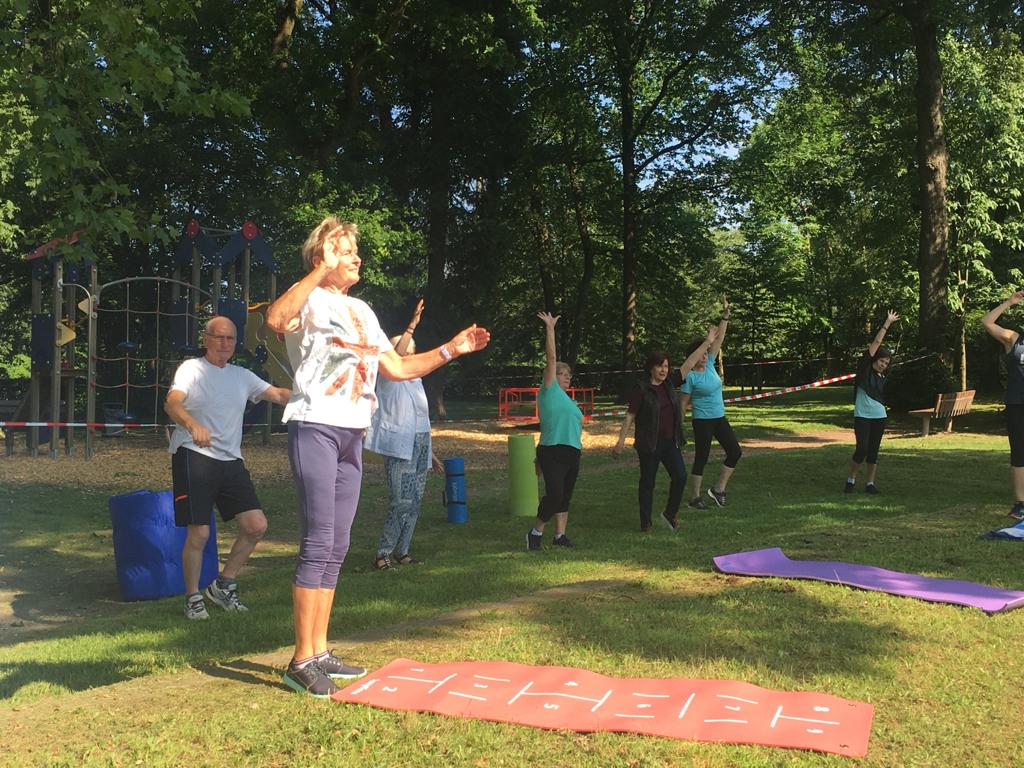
point(438, 213)
point(572, 350)
point(629, 223)
point(962, 361)
point(932, 168)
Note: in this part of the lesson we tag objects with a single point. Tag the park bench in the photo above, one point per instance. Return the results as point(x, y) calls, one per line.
point(947, 406)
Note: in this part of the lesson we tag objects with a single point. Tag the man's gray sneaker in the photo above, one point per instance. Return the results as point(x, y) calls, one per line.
point(698, 503)
point(225, 598)
point(310, 679)
point(337, 669)
point(195, 608)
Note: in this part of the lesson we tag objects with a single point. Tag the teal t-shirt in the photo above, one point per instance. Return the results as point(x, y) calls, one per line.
point(867, 407)
point(705, 391)
point(561, 420)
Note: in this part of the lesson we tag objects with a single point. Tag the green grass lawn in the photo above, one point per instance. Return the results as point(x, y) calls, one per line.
point(945, 681)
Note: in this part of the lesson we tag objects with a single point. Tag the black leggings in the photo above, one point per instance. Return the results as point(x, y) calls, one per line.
point(720, 429)
point(869, 436)
point(560, 465)
point(1015, 429)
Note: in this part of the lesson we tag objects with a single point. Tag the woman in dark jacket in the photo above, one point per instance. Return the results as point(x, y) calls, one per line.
point(657, 420)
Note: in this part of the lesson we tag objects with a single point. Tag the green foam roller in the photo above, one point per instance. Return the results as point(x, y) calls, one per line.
point(523, 497)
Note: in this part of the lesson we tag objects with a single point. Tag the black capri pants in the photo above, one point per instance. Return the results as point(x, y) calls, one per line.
point(1015, 430)
point(869, 436)
point(560, 465)
point(721, 430)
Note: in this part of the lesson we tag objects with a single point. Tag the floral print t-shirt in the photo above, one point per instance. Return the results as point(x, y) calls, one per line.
point(336, 349)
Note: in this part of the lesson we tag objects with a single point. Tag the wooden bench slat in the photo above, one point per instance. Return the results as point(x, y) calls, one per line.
point(947, 405)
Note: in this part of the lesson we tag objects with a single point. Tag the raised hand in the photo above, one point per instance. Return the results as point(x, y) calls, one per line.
point(330, 257)
point(472, 339)
point(416, 314)
point(725, 307)
point(893, 317)
point(1016, 298)
point(548, 319)
point(712, 334)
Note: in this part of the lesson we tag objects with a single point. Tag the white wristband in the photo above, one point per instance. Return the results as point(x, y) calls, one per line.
point(445, 353)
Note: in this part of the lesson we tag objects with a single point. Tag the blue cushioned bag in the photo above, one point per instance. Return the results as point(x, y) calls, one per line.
point(147, 547)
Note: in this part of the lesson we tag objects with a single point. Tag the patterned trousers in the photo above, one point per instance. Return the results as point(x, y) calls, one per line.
point(406, 481)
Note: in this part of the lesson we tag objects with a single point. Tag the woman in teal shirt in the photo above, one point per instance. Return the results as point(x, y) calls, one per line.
point(558, 455)
point(702, 387)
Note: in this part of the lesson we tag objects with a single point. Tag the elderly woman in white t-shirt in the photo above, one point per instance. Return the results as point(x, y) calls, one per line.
point(340, 346)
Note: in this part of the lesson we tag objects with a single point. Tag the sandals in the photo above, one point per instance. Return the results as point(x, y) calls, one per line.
point(408, 559)
point(383, 563)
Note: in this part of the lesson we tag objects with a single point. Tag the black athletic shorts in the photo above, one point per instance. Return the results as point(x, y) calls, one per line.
point(201, 482)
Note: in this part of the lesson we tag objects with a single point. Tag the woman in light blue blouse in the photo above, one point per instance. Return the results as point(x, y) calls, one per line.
point(558, 455)
point(702, 388)
point(400, 432)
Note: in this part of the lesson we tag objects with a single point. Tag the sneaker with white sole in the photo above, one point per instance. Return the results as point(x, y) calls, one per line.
point(1017, 512)
point(336, 669)
point(195, 608)
point(225, 598)
point(311, 679)
point(562, 541)
point(717, 495)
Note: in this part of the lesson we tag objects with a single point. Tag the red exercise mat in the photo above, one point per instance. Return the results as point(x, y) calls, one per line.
point(578, 700)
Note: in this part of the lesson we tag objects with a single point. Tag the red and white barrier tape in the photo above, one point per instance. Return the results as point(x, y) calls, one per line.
point(437, 422)
point(761, 395)
point(786, 390)
point(94, 424)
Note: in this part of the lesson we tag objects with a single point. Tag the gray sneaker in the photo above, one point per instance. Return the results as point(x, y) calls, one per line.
point(698, 503)
point(717, 495)
point(533, 541)
point(336, 669)
point(195, 608)
point(310, 679)
point(225, 598)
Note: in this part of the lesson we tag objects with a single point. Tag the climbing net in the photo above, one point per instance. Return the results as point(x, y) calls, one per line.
point(145, 329)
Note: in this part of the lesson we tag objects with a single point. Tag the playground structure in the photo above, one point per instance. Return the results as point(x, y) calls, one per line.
point(520, 403)
point(161, 318)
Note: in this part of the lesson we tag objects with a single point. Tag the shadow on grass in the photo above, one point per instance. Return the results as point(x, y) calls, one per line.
point(790, 499)
point(248, 672)
point(763, 623)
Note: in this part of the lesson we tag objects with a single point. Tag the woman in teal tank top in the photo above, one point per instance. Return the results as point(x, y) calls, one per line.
point(558, 455)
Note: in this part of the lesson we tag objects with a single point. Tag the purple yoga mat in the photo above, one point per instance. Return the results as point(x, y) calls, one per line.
point(773, 562)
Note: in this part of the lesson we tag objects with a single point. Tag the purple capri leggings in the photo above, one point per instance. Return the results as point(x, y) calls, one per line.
point(327, 463)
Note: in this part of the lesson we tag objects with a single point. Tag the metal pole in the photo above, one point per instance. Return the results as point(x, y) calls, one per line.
point(90, 401)
point(55, 300)
point(32, 438)
point(69, 356)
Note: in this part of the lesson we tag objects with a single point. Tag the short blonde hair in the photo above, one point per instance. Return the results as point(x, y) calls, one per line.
point(560, 366)
point(332, 226)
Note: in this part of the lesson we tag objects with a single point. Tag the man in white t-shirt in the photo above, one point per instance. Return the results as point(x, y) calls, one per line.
point(207, 403)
